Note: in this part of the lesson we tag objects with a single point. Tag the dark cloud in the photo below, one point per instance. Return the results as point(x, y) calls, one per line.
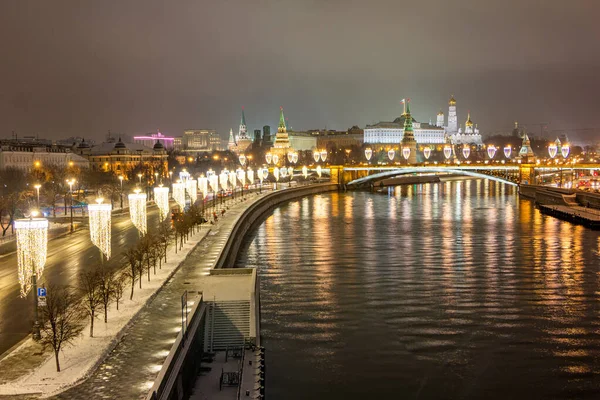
point(83, 67)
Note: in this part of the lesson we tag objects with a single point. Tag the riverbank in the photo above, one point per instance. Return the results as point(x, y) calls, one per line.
point(588, 217)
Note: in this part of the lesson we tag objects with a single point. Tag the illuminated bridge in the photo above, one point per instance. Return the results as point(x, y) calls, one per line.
point(513, 174)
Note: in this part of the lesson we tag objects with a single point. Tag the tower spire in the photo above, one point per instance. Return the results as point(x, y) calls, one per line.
point(242, 131)
point(281, 128)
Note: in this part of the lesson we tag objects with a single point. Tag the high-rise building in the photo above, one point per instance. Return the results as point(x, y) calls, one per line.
point(197, 140)
point(266, 134)
point(257, 137)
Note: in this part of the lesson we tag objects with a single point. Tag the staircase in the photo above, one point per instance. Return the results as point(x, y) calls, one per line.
point(228, 324)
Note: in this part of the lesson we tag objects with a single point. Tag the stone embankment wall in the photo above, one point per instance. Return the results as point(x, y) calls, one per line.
point(256, 210)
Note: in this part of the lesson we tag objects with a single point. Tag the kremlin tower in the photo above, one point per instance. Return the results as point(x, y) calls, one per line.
point(452, 119)
point(281, 146)
point(408, 139)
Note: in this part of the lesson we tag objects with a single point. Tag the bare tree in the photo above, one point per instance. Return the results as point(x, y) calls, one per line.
point(132, 259)
point(63, 319)
point(118, 288)
point(106, 279)
point(92, 297)
point(165, 232)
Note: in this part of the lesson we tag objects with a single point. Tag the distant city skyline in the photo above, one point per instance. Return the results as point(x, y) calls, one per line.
point(88, 69)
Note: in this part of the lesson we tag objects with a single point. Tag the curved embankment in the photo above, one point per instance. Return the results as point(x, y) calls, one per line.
point(245, 221)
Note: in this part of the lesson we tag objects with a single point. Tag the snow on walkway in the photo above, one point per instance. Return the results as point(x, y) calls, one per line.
point(79, 360)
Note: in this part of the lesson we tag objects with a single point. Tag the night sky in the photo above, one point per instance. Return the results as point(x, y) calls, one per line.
point(82, 67)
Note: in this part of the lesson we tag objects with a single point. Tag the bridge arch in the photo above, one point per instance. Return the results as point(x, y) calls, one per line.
point(412, 170)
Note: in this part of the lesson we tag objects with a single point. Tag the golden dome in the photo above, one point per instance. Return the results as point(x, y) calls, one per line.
point(452, 101)
point(469, 122)
point(440, 113)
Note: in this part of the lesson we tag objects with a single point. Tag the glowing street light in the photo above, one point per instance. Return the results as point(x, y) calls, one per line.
point(268, 158)
point(275, 159)
point(242, 159)
point(290, 172)
point(368, 153)
point(491, 150)
point(203, 186)
point(137, 211)
point(100, 228)
point(319, 170)
point(295, 157)
point(305, 172)
point(32, 245)
point(276, 174)
point(140, 178)
point(290, 156)
point(507, 151)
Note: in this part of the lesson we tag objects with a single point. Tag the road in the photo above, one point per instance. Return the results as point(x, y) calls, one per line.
point(67, 257)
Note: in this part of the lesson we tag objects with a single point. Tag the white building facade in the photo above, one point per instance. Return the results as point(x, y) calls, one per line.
point(26, 158)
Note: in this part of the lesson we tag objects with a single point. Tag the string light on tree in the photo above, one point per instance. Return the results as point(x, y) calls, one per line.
point(137, 211)
point(161, 198)
point(100, 228)
point(305, 172)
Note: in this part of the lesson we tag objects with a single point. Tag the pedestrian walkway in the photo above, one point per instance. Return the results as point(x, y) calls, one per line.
point(131, 368)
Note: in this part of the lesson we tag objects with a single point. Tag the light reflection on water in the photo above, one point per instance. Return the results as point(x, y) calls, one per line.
point(450, 290)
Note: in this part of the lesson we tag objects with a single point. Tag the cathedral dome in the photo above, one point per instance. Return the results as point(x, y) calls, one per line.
point(469, 122)
point(120, 145)
point(83, 145)
point(452, 101)
point(158, 145)
point(440, 113)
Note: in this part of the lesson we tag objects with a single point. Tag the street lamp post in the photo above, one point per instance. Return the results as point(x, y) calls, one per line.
point(70, 182)
point(121, 179)
point(37, 187)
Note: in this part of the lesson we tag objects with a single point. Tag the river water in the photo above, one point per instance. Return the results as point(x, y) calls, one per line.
point(458, 289)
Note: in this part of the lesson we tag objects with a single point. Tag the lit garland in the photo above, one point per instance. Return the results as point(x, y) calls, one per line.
point(184, 175)
point(223, 178)
point(323, 155)
point(250, 174)
point(305, 172)
point(241, 176)
point(179, 194)
point(137, 211)
point(260, 175)
point(32, 245)
point(291, 172)
point(191, 186)
point(100, 229)
point(214, 182)
point(232, 179)
point(319, 170)
point(203, 186)
point(276, 173)
point(161, 198)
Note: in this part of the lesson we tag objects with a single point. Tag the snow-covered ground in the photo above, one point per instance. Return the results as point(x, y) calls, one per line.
point(80, 359)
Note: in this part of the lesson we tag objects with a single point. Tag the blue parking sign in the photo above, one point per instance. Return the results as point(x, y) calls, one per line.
point(41, 292)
